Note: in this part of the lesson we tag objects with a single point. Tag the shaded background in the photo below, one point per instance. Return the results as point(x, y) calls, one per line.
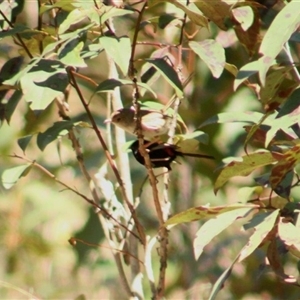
point(37, 217)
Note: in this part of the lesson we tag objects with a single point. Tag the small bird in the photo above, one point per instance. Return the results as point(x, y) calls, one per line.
point(161, 154)
point(154, 123)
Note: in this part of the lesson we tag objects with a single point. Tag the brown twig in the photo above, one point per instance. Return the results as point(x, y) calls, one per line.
point(162, 234)
point(52, 176)
point(111, 162)
point(74, 240)
point(17, 35)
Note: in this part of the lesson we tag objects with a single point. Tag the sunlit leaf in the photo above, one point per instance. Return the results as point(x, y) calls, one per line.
point(246, 117)
point(190, 142)
point(283, 123)
point(244, 15)
point(70, 54)
point(113, 11)
point(194, 16)
point(74, 17)
point(243, 166)
point(254, 128)
point(261, 231)
point(119, 49)
point(52, 133)
point(205, 212)
point(286, 22)
point(232, 69)
point(44, 81)
point(215, 226)
point(11, 176)
point(212, 54)
point(289, 234)
point(249, 37)
point(66, 5)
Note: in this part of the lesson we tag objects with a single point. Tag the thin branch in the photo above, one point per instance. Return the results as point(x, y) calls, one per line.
point(73, 241)
point(131, 70)
point(17, 35)
point(107, 154)
point(52, 176)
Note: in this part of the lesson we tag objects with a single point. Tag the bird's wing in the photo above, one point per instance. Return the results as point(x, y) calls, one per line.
point(153, 121)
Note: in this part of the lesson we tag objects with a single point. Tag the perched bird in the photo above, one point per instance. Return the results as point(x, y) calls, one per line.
point(161, 154)
point(154, 123)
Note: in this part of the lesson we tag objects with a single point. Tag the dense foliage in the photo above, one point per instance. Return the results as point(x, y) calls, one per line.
point(229, 71)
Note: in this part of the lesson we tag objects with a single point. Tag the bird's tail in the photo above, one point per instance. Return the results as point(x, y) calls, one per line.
point(195, 155)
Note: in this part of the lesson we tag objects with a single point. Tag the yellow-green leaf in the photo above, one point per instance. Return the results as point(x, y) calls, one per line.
point(261, 231)
point(214, 226)
point(243, 166)
point(205, 212)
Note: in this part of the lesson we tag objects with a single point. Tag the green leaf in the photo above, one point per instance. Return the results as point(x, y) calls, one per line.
point(283, 123)
point(286, 22)
point(243, 166)
point(165, 19)
point(271, 92)
point(17, 29)
point(11, 176)
point(12, 104)
point(44, 81)
point(290, 158)
point(91, 51)
point(69, 54)
point(221, 280)
point(246, 116)
point(244, 15)
point(74, 17)
point(289, 234)
point(194, 16)
point(261, 231)
point(254, 129)
point(66, 5)
point(11, 67)
point(119, 49)
point(24, 141)
point(212, 54)
point(204, 212)
point(168, 73)
point(158, 106)
point(111, 12)
point(52, 133)
point(190, 142)
point(110, 84)
point(65, 38)
point(215, 226)
point(290, 106)
point(245, 72)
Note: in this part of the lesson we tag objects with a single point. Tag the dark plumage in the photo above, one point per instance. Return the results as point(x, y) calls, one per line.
point(161, 154)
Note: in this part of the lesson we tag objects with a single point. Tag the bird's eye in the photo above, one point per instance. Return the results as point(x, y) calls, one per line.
point(118, 119)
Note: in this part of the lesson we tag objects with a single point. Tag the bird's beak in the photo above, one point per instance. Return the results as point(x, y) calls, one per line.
point(107, 121)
